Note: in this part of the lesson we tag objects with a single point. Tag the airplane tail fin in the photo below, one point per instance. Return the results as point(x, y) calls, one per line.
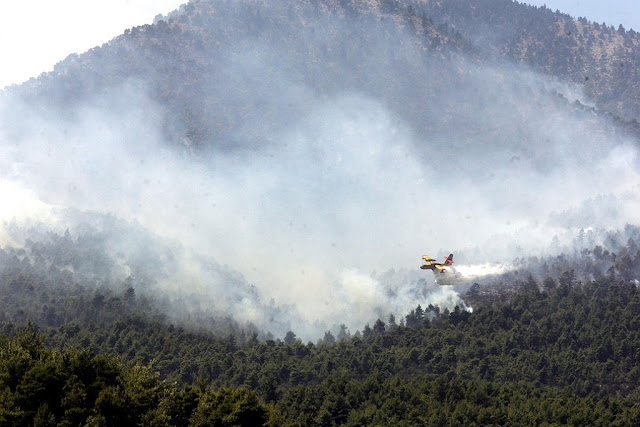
point(448, 260)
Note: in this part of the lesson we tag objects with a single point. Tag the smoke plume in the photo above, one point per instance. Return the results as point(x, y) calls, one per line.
point(329, 214)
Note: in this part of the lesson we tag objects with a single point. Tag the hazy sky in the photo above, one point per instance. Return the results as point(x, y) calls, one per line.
point(36, 34)
point(612, 12)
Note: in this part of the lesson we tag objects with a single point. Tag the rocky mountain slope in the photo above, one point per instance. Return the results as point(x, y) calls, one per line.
point(229, 73)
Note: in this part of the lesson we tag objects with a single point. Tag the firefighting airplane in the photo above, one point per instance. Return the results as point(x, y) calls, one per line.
point(431, 264)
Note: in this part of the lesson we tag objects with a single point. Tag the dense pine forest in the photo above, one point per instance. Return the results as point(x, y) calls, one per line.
point(558, 350)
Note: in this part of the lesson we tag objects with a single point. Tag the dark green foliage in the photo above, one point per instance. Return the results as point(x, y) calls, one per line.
point(568, 355)
point(228, 407)
point(47, 387)
point(556, 350)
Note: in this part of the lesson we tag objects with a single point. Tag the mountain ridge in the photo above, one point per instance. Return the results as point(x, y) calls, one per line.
point(333, 45)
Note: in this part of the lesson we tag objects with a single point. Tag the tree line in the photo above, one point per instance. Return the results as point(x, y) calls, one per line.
point(561, 352)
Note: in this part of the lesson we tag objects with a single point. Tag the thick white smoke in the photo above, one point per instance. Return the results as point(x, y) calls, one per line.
point(339, 194)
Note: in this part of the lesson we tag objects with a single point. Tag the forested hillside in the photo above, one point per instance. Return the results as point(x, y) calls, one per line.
point(110, 268)
point(545, 344)
point(565, 352)
point(75, 387)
